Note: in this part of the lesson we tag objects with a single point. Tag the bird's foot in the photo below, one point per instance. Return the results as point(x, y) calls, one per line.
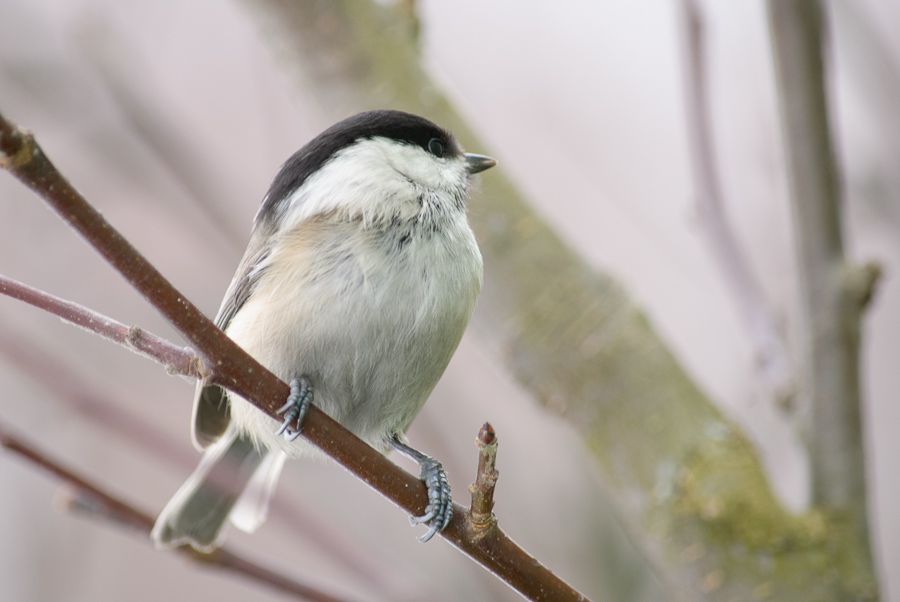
point(295, 408)
point(439, 510)
point(440, 506)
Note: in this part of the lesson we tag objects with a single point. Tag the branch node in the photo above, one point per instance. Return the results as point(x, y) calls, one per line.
point(133, 337)
point(200, 365)
point(481, 517)
point(861, 282)
point(17, 146)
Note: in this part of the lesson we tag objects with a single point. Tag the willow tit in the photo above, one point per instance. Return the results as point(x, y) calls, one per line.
point(357, 283)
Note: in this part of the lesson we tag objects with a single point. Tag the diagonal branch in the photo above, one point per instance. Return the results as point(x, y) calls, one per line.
point(773, 361)
point(233, 369)
point(90, 498)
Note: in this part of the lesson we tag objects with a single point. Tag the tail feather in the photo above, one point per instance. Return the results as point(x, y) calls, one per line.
point(252, 507)
point(199, 509)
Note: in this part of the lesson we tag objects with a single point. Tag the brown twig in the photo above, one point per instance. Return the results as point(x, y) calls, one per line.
point(481, 511)
point(98, 503)
point(773, 359)
point(833, 292)
point(233, 369)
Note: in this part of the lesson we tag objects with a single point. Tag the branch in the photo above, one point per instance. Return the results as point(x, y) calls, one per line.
point(773, 361)
point(176, 360)
point(233, 369)
point(90, 498)
point(833, 292)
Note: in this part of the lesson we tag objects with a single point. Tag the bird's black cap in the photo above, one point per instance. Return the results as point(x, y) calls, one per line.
point(396, 125)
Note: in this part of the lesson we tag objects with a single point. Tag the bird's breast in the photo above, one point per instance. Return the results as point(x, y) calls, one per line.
point(371, 316)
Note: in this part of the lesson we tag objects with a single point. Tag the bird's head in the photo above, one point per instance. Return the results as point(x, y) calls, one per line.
point(380, 167)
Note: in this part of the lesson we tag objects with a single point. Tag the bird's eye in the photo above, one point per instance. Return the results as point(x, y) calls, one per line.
point(436, 147)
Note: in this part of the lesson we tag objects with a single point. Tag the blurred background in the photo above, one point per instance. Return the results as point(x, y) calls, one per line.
point(172, 118)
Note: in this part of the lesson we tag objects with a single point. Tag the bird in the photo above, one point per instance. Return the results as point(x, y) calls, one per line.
point(358, 281)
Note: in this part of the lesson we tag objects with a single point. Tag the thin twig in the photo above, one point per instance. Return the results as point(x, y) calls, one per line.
point(773, 360)
point(833, 292)
point(110, 508)
point(481, 511)
point(177, 360)
point(238, 372)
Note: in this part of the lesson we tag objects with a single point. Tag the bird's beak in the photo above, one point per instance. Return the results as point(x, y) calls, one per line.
point(476, 163)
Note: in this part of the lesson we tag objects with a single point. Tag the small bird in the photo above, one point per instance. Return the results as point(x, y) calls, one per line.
point(356, 286)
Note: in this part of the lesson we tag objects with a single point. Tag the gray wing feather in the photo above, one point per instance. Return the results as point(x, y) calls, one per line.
point(211, 414)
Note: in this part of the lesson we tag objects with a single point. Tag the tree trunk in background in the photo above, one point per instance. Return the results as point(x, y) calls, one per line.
point(576, 340)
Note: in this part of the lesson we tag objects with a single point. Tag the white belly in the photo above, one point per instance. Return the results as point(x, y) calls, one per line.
point(370, 319)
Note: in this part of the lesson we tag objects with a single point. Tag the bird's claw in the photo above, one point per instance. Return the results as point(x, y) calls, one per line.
point(295, 408)
point(439, 510)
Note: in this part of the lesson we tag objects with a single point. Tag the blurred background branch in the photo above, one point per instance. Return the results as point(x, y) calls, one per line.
point(773, 360)
point(89, 498)
point(75, 393)
point(834, 290)
point(113, 59)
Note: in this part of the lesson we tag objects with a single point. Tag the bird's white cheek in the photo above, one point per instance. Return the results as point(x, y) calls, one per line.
point(378, 181)
point(426, 170)
point(356, 187)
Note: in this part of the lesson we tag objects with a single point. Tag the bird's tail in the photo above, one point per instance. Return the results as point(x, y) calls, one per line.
point(235, 479)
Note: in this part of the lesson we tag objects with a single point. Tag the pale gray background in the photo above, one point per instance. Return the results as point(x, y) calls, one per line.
point(582, 104)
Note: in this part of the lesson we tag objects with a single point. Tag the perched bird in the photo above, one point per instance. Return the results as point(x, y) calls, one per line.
point(357, 283)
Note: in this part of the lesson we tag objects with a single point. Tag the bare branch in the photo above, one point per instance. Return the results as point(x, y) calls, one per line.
point(177, 360)
point(91, 498)
point(773, 360)
point(833, 292)
point(237, 371)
